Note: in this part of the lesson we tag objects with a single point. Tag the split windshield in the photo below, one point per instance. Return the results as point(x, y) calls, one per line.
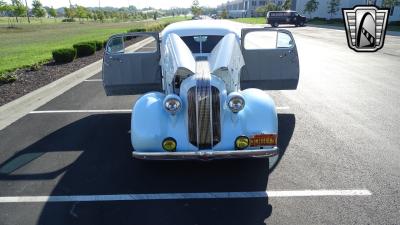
point(203, 43)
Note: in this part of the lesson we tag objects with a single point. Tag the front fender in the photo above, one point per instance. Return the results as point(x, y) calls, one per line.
point(257, 117)
point(151, 124)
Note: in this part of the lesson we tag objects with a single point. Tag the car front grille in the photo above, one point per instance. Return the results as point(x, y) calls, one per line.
point(204, 122)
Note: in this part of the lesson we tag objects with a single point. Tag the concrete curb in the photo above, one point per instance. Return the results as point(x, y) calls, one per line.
point(12, 111)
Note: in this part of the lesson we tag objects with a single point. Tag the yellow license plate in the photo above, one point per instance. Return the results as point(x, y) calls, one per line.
point(262, 140)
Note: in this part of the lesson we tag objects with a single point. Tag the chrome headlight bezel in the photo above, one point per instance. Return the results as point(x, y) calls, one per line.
point(235, 102)
point(172, 104)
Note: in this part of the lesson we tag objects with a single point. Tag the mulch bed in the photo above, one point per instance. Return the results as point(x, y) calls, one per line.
point(28, 80)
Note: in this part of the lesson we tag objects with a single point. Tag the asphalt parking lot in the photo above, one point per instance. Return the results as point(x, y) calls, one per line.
point(339, 131)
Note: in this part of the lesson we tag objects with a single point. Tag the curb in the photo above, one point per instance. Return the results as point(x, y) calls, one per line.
point(12, 111)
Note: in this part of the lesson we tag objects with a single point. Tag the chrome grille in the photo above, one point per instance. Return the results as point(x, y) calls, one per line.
point(204, 123)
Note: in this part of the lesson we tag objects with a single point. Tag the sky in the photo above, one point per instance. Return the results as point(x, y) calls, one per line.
point(165, 4)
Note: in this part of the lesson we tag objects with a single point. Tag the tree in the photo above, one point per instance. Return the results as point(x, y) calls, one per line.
point(333, 7)
point(81, 12)
point(4, 7)
point(155, 15)
point(100, 16)
point(287, 5)
point(69, 12)
point(18, 9)
point(263, 10)
point(311, 6)
point(27, 11)
point(390, 3)
point(37, 9)
point(224, 14)
point(196, 9)
point(7, 10)
point(53, 13)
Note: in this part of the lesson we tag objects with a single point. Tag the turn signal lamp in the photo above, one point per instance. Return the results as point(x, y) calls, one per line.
point(169, 144)
point(242, 142)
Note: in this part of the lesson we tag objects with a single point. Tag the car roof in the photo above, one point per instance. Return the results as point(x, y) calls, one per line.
point(204, 27)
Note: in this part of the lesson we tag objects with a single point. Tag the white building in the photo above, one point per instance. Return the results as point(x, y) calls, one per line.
point(247, 8)
point(322, 10)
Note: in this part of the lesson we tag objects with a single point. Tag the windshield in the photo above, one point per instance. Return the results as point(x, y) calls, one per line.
point(202, 44)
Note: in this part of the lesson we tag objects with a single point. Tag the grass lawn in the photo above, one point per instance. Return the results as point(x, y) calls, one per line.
point(253, 20)
point(28, 44)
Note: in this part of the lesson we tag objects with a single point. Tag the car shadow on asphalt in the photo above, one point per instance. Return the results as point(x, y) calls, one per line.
point(105, 166)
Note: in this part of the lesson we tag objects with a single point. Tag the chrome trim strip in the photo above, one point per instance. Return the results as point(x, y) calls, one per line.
point(207, 154)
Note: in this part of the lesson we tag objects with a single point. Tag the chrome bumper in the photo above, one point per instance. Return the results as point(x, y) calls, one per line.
point(207, 154)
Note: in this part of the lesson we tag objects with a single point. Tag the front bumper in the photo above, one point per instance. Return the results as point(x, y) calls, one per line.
point(207, 154)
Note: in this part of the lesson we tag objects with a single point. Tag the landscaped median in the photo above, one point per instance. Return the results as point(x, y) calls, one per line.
point(64, 60)
point(33, 44)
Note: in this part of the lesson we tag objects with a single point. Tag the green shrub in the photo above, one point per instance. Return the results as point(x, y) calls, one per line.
point(154, 27)
point(99, 45)
point(105, 43)
point(141, 29)
point(7, 78)
point(35, 67)
point(85, 48)
point(335, 21)
point(64, 55)
point(68, 20)
point(394, 23)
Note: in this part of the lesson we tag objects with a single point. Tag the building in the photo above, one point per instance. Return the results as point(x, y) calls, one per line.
point(322, 10)
point(247, 8)
point(242, 8)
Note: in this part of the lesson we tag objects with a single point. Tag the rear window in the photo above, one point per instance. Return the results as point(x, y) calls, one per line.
point(279, 14)
point(202, 44)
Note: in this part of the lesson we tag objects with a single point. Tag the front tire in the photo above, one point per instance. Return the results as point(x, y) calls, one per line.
point(275, 24)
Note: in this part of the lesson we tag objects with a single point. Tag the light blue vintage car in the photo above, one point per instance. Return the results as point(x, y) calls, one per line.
point(203, 85)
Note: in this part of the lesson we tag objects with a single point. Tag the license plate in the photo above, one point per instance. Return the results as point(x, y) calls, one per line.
point(262, 140)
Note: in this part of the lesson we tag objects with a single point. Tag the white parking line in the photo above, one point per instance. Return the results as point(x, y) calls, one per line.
point(106, 111)
point(282, 107)
point(94, 80)
point(178, 196)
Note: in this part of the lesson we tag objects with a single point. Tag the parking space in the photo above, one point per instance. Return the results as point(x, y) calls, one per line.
point(337, 132)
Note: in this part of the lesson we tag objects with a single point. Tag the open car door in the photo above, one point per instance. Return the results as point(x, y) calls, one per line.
point(271, 60)
point(131, 64)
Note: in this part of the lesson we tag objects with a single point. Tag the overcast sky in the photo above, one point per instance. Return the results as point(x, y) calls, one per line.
point(121, 3)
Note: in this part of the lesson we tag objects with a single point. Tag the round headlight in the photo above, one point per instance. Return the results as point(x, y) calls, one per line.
point(172, 103)
point(235, 102)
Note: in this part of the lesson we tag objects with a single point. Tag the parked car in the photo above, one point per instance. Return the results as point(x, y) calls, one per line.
point(203, 85)
point(285, 17)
